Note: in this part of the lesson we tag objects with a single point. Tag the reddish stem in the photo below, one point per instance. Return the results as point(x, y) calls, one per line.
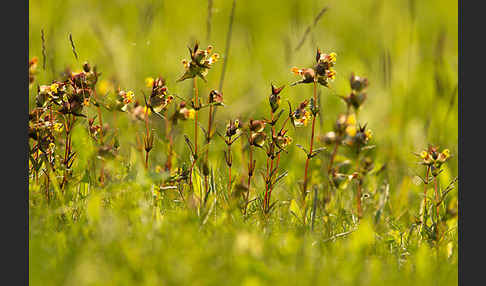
point(195, 114)
point(304, 191)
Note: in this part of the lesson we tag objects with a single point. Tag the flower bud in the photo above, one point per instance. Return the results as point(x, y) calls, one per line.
point(258, 139)
point(357, 83)
point(357, 99)
point(86, 67)
point(216, 97)
point(340, 124)
point(232, 127)
point(283, 141)
point(256, 125)
point(329, 138)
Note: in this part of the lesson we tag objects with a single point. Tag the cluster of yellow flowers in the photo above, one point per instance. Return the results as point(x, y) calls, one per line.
point(201, 62)
point(301, 116)
point(432, 156)
point(322, 72)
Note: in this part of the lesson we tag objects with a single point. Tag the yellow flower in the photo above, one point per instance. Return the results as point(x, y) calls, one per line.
point(215, 57)
point(303, 120)
point(296, 70)
point(332, 57)
point(33, 64)
point(351, 130)
point(58, 127)
point(424, 154)
point(185, 63)
point(201, 61)
point(368, 134)
point(149, 82)
point(331, 74)
point(351, 120)
point(328, 58)
point(54, 87)
point(128, 97)
point(444, 155)
point(187, 113)
point(147, 110)
point(191, 114)
point(284, 141)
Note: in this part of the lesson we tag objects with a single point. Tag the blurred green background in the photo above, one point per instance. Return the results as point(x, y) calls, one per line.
point(407, 49)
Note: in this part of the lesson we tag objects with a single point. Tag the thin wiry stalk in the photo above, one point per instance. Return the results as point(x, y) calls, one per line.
point(72, 46)
point(307, 31)
point(44, 54)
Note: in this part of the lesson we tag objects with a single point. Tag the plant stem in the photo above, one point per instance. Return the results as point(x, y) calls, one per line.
point(358, 198)
point(67, 150)
point(208, 140)
point(168, 163)
point(425, 194)
point(195, 115)
point(146, 159)
point(333, 155)
point(436, 208)
point(102, 170)
point(250, 173)
point(229, 171)
point(358, 192)
point(146, 139)
point(304, 191)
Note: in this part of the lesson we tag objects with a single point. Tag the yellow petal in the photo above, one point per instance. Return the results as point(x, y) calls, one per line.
point(351, 120)
point(149, 81)
point(351, 130)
